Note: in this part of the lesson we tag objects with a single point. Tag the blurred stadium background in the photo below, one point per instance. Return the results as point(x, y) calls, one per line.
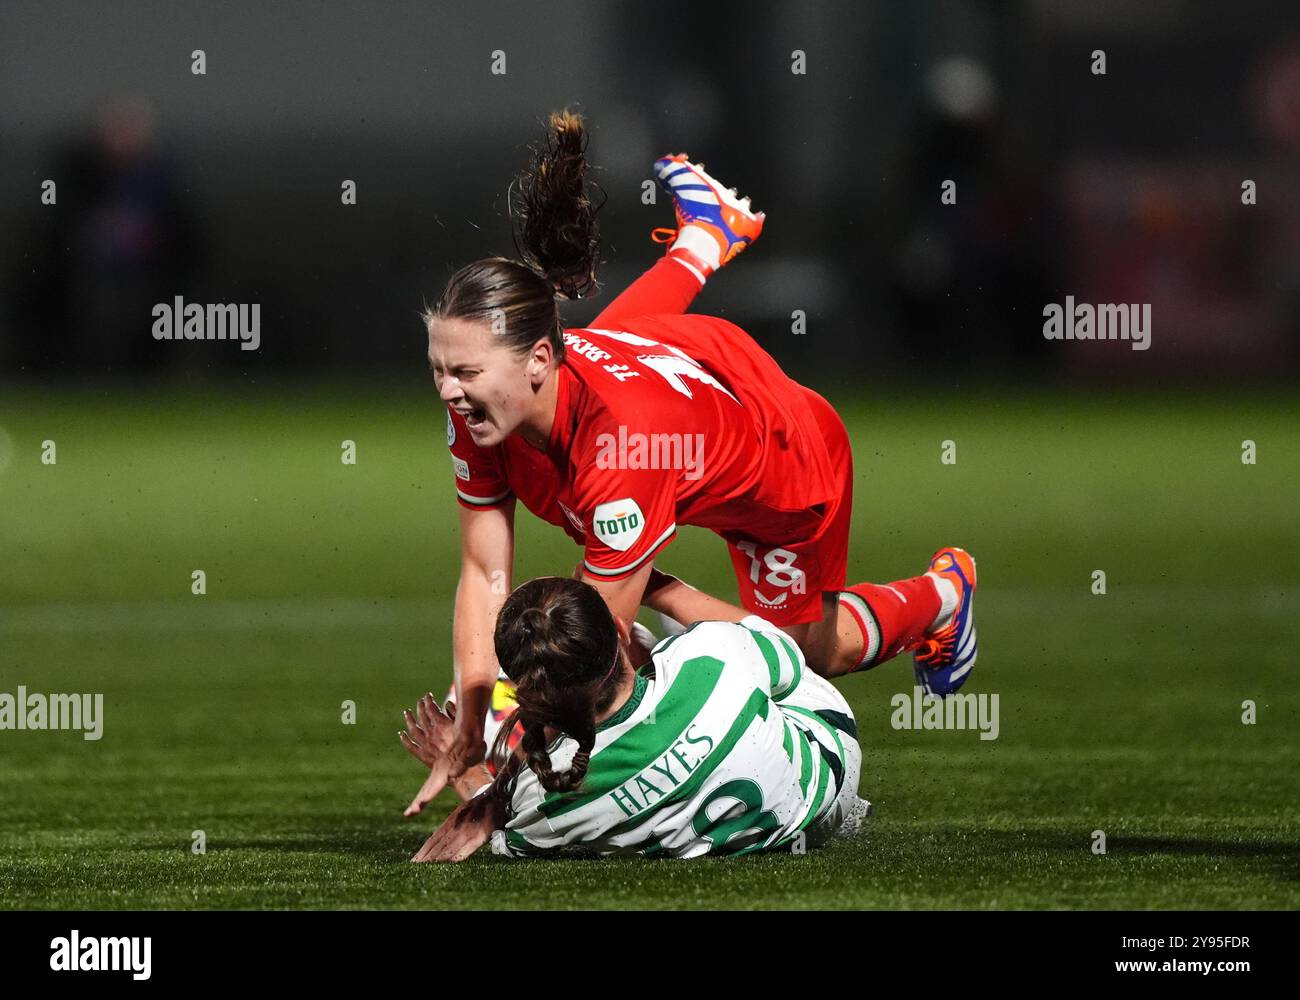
point(924, 323)
point(225, 187)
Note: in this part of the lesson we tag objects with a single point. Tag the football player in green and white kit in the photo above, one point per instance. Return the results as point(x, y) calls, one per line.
point(723, 743)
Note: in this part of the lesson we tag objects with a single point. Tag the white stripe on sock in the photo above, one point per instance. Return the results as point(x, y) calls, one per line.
point(690, 267)
point(870, 641)
point(947, 601)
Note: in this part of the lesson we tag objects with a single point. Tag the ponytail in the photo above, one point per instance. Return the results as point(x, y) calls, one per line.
point(555, 229)
point(556, 234)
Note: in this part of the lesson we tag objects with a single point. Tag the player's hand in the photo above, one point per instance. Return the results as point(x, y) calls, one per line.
point(466, 830)
point(467, 745)
point(428, 738)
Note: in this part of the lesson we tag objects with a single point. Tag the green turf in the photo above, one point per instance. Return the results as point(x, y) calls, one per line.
point(328, 582)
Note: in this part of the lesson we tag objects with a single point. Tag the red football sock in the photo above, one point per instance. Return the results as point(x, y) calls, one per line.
point(667, 287)
point(893, 617)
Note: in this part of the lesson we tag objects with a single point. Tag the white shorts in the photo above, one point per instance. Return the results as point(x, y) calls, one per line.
point(816, 694)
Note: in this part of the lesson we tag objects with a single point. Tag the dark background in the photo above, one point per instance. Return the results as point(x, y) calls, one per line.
point(226, 187)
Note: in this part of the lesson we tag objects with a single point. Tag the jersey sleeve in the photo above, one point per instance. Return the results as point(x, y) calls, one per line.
point(630, 515)
point(480, 480)
point(782, 656)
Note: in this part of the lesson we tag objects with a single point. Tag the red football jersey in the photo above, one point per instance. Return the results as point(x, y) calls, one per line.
point(669, 419)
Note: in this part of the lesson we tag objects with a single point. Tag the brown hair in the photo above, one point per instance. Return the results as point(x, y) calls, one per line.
point(556, 236)
point(556, 639)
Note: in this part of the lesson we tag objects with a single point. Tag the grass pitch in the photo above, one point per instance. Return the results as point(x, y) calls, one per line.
point(326, 582)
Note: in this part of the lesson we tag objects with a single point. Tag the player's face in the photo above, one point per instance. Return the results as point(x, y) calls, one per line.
point(484, 381)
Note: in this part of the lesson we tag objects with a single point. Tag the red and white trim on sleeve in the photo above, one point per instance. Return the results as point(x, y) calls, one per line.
point(472, 501)
point(620, 571)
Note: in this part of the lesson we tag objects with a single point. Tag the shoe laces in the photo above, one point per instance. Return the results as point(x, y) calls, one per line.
point(937, 647)
point(663, 234)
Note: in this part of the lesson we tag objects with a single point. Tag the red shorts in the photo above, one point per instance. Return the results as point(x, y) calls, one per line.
point(783, 564)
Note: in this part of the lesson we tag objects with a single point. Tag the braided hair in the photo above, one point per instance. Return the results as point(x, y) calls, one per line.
point(556, 639)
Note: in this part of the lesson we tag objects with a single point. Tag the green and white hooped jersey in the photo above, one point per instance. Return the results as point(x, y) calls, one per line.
point(728, 744)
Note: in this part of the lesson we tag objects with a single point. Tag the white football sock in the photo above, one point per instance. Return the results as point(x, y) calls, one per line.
point(700, 243)
point(947, 601)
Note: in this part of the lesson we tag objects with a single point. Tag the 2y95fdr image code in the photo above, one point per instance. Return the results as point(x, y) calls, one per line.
point(1195, 954)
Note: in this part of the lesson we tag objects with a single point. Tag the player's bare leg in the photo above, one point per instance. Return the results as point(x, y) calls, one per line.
point(867, 624)
point(838, 645)
point(832, 646)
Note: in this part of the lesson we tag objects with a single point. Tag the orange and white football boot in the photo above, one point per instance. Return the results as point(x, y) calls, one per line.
point(713, 224)
point(945, 657)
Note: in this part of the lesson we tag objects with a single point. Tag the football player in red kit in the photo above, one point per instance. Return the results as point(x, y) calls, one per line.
point(651, 418)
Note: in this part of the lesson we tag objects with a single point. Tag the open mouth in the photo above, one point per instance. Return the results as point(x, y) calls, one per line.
point(475, 418)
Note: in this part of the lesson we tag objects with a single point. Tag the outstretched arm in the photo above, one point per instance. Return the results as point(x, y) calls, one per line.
point(683, 603)
point(428, 738)
point(487, 555)
point(487, 559)
point(468, 828)
point(624, 600)
point(661, 592)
